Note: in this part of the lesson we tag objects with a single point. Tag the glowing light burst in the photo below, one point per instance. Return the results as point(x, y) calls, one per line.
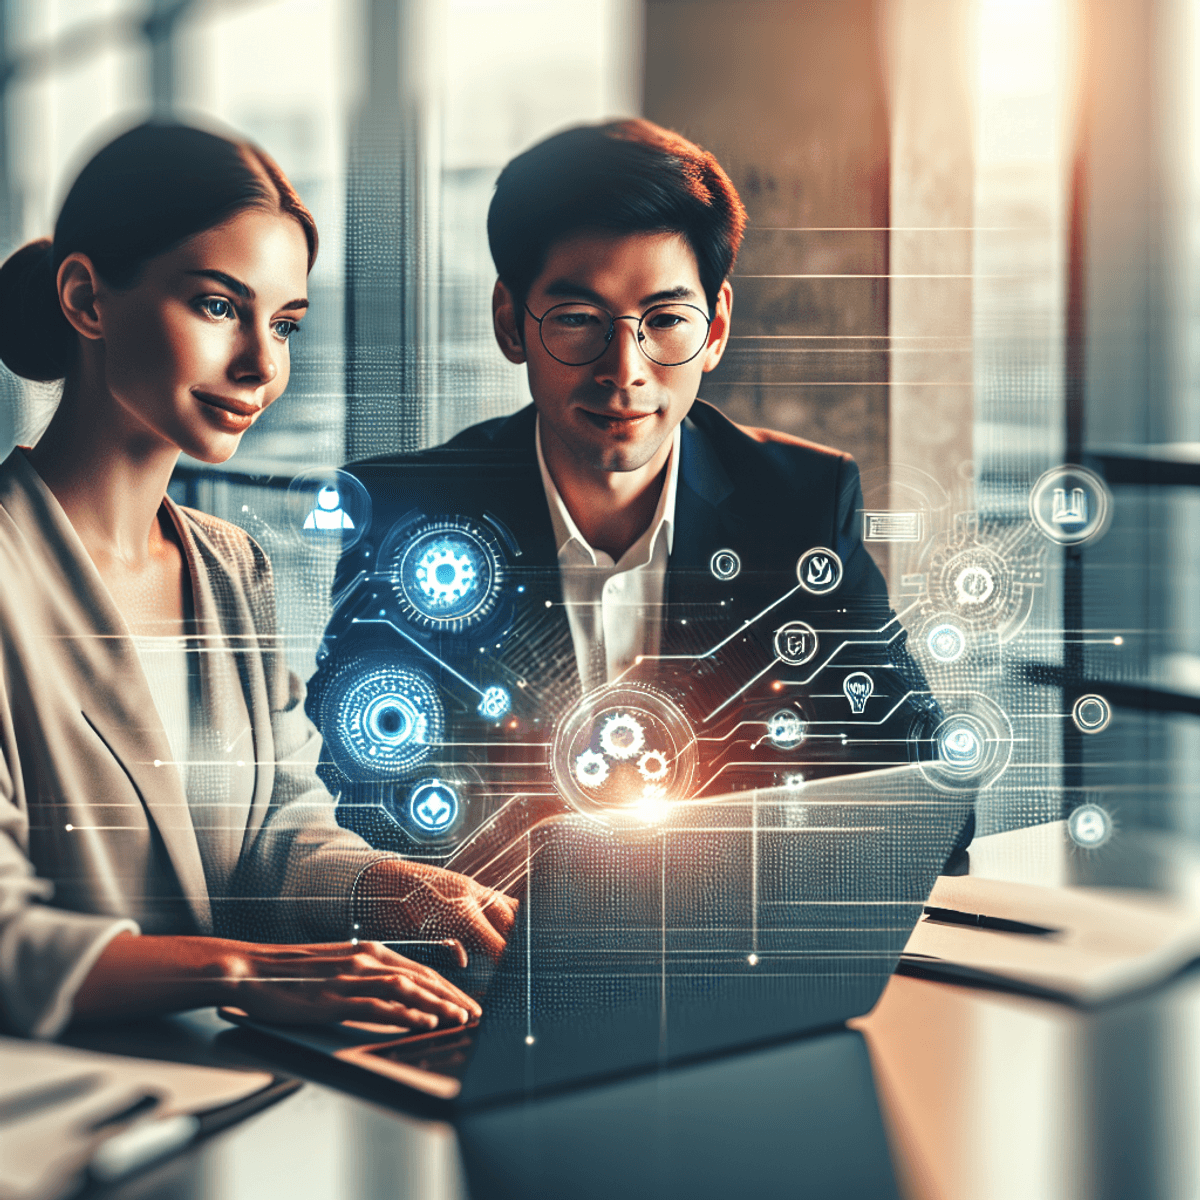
point(971, 747)
point(624, 755)
point(786, 730)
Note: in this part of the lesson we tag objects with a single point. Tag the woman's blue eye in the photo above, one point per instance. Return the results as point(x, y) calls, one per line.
point(285, 329)
point(216, 307)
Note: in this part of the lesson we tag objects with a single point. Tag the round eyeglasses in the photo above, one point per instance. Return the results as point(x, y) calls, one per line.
point(578, 334)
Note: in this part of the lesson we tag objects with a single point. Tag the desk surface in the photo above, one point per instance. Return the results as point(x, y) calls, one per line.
point(941, 1092)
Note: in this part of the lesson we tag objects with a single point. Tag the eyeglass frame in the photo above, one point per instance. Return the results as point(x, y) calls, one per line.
point(612, 329)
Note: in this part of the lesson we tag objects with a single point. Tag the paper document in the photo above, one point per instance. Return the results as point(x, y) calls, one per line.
point(1102, 942)
point(58, 1105)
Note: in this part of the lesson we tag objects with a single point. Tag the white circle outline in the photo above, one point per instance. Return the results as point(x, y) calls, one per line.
point(1094, 528)
point(733, 572)
point(838, 571)
point(1091, 698)
point(796, 626)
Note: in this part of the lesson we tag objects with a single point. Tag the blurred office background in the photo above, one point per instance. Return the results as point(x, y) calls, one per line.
point(973, 255)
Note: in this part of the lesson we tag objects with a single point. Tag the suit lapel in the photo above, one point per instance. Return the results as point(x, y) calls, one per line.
point(226, 637)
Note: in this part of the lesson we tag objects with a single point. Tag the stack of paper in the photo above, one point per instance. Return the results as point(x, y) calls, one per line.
point(1097, 944)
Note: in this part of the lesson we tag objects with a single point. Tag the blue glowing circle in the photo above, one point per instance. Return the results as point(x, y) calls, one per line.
point(786, 730)
point(946, 642)
point(433, 806)
point(379, 721)
point(494, 703)
point(447, 574)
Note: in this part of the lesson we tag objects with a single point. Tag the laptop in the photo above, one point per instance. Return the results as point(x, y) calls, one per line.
point(735, 920)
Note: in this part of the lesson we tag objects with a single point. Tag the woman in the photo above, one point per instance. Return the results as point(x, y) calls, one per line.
point(156, 766)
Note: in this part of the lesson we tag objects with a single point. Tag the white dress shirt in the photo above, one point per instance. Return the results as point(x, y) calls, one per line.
point(614, 609)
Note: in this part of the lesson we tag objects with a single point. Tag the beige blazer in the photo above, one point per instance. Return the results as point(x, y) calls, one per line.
point(96, 836)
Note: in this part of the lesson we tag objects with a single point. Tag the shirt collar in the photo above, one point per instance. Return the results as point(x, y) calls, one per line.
point(567, 532)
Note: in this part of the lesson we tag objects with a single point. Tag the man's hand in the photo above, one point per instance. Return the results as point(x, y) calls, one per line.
point(398, 898)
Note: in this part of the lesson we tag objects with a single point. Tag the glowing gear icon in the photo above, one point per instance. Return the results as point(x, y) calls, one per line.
point(591, 769)
point(494, 703)
point(974, 585)
point(622, 736)
point(445, 573)
point(653, 765)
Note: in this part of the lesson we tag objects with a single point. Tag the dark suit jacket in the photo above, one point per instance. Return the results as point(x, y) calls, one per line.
point(767, 496)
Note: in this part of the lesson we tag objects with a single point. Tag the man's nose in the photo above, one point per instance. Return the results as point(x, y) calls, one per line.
point(622, 365)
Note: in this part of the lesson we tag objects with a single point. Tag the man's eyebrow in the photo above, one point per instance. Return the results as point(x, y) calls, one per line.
point(241, 290)
point(568, 287)
point(682, 292)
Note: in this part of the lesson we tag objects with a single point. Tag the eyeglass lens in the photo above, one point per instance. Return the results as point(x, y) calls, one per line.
point(669, 334)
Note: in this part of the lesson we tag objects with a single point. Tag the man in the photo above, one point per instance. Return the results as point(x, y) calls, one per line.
point(618, 532)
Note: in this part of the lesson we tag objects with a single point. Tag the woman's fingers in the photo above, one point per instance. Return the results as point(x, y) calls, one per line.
point(388, 960)
point(402, 989)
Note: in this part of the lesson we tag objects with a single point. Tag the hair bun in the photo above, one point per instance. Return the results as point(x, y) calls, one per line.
point(36, 340)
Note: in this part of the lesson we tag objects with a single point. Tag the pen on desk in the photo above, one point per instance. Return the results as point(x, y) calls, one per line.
point(141, 1144)
point(951, 916)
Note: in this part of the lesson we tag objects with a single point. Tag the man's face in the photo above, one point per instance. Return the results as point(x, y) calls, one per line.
point(614, 414)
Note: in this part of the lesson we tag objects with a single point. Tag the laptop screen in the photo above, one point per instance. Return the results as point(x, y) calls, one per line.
point(736, 920)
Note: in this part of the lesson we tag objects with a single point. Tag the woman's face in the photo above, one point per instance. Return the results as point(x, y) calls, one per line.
point(198, 347)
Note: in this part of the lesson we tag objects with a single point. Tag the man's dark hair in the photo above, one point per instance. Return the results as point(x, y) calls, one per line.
point(619, 177)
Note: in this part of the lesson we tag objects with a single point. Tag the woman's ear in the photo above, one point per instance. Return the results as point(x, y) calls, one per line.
point(78, 287)
point(506, 324)
point(718, 331)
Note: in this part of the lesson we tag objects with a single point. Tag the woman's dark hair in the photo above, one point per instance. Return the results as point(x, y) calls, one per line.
point(621, 177)
point(140, 196)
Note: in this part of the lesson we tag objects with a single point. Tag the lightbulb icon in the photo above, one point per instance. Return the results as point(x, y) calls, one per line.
point(858, 687)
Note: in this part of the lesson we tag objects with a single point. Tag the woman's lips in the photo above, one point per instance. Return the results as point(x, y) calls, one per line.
point(232, 415)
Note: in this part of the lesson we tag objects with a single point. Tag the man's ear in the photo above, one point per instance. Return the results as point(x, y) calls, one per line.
point(78, 287)
point(506, 324)
point(718, 331)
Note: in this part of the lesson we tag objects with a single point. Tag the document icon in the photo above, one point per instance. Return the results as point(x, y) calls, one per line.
point(890, 525)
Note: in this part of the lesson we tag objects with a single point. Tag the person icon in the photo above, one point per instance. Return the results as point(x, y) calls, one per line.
point(329, 513)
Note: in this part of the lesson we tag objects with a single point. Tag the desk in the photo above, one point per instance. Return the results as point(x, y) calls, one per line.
point(942, 1092)
point(975, 1094)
